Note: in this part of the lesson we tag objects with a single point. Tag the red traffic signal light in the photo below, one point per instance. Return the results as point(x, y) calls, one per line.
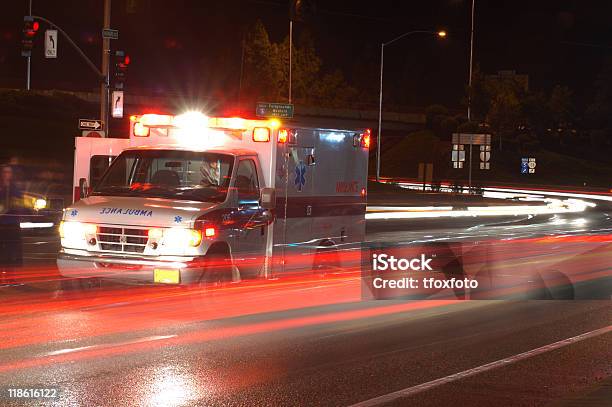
point(121, 66)
point(30, 28)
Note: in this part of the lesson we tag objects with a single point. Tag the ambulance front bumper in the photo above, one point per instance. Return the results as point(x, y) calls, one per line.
point(177, 270)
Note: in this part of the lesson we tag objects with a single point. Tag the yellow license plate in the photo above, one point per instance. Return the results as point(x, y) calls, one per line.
point(166, 276)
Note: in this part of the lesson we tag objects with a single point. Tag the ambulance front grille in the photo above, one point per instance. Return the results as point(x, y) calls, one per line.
point(121, 239)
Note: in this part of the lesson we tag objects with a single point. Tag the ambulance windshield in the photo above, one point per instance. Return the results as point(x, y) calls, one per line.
point(169, 174)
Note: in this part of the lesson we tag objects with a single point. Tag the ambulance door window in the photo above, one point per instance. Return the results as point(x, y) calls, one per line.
point(98, 164)
point(246, 181)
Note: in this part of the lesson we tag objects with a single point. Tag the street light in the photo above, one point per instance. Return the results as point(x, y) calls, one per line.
point(440, 34)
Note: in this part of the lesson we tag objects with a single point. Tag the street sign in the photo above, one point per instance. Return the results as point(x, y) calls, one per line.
point(524, 165)
point(95, 134)
point(485, 157)
point(117, 104)
point(51, 44)
point(469, 138)
point(458, 155)
point(90, 124)
point(460, 140)
point(531, 165)
point(276, 110)
point(108, 33)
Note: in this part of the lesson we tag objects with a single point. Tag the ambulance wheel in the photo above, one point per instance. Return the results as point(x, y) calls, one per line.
point(559, 285)
point(217, 268)
point(79, 284)
point(326, 260)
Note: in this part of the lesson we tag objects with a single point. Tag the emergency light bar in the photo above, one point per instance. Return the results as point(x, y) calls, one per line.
point(192, 122)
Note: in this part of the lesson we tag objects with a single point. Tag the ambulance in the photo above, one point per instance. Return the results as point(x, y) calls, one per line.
point(197, 199)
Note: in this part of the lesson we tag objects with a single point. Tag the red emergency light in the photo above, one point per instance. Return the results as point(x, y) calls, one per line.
point(366, 137)
point(283, 136)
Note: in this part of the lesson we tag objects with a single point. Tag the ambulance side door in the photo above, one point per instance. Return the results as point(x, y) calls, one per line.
point(251, 236)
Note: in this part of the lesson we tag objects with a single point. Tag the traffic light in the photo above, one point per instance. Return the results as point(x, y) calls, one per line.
point(121, 65)
point(30, 28)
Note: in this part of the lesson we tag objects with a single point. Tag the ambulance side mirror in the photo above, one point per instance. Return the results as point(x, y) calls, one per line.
point(83, 190)
point(267, 198)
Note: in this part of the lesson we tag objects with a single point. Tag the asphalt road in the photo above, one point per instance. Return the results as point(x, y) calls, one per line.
point(313, 341)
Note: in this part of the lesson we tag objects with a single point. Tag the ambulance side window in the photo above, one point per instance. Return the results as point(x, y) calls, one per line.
point(246, 180)
point(98, 164)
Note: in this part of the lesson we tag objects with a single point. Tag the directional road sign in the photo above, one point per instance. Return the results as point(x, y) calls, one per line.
point(51, 44)
point(109, 33)
point(277, 110)
point(524, 165)
point(90, 124)
point(117, 104)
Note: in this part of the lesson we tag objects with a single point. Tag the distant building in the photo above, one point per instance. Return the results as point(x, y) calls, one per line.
point(507, 75)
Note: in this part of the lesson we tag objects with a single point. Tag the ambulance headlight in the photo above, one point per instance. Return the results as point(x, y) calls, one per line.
point(181, 238)
point(76, 233)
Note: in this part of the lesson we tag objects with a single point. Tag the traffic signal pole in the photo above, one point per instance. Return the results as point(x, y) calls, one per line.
point(105, 85)
point(29, 58)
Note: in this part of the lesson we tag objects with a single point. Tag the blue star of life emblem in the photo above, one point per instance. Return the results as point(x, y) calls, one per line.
point(178, 219)
point(300, 176)
point(74, 212)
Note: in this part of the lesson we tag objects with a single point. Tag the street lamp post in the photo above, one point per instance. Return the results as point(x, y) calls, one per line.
point(440, 34)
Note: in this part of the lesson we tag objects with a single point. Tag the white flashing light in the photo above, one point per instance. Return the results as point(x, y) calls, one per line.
point(230, 123)
point(192, 122)
point(156, 120)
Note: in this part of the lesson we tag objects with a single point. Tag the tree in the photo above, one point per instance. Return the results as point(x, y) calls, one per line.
point(263, 74)
point(599, 112)
point(505, 114)
point(438, 120)
point(480, 97)
point(267, 72)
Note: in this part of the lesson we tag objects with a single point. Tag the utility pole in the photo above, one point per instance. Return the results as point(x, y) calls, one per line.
point(241, 70)
point(105, 86)
point(290, 52)
point(380, 100)
point(29, 58)
point(469, 107)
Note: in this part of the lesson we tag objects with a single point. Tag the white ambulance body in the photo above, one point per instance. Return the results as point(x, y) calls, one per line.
point(190, 198)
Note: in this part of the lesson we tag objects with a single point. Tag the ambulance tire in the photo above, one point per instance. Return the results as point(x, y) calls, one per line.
point(559, 285)
point(218, 267)
point(79, 284)
point(326, 260)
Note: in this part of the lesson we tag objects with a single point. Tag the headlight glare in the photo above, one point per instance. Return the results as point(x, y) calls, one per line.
point(180, 237)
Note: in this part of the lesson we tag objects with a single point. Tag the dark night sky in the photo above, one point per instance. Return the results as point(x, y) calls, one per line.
point(193, 47)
